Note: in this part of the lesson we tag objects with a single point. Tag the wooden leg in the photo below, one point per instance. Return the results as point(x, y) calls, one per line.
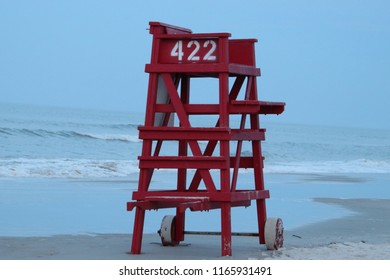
point(137, 231)
point(180, 222)
point(226, 232)
point(261, 219)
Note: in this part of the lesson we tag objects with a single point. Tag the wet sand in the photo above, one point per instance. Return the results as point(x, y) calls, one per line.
point(368, 225)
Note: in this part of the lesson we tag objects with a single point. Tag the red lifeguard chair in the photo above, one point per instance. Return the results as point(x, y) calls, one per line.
point(178, 55)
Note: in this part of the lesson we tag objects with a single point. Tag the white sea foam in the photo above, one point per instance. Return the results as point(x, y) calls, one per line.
point(352, 166)
point(44, 133)
point(93, 168)
point(115, 137)
point(66, 168)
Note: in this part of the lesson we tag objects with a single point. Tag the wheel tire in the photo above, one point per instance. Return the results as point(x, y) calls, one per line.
point(273, 232)
point(167, 231)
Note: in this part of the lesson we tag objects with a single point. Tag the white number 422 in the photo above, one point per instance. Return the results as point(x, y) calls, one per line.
point(210, 45)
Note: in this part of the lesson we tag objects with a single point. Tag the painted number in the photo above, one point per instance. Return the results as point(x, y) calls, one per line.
point(194, 46)
point(177, 50)
point(193, 55)
point(210, 54)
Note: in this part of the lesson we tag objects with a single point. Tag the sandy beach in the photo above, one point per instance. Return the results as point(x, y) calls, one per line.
point(362, 230)
point(364, 235)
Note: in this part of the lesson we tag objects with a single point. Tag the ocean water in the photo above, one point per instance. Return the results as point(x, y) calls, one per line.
point(71, 171)
point(53, 142)
point(50, 142)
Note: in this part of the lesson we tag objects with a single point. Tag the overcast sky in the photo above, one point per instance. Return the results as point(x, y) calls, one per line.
point(328, 60)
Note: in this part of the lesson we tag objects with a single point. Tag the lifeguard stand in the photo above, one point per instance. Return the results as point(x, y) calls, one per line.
point(178, 55)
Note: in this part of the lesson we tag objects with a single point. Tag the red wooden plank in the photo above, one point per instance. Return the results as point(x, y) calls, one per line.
point(236, 107)
point(189, 36)
point(248, 134)
point(271, 107)
point(200, 195)
point(241, 69)
point(197, 133)
point(163, 28)
point(242, 51)
point(186, 68)
point(184, 133)
point(193, 162)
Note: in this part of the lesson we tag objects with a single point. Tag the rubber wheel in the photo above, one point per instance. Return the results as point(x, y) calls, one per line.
point(167, 231)
point(274, 233)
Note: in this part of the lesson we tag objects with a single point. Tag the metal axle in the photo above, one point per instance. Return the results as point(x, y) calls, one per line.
point(219, 233)
point(250, 234)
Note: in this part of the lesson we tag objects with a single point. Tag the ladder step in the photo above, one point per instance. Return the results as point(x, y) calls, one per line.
point(194, 162)
point(235, 107)
point(199, 133)
point(203, 162)
point(200, 196)
point(184, 133)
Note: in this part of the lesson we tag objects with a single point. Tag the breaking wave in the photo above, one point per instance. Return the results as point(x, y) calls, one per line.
point(67, 168)
point(93, 168)
point(329, 167)
point(67, 134)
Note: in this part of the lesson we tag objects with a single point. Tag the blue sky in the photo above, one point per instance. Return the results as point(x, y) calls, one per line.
point(328, 60)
